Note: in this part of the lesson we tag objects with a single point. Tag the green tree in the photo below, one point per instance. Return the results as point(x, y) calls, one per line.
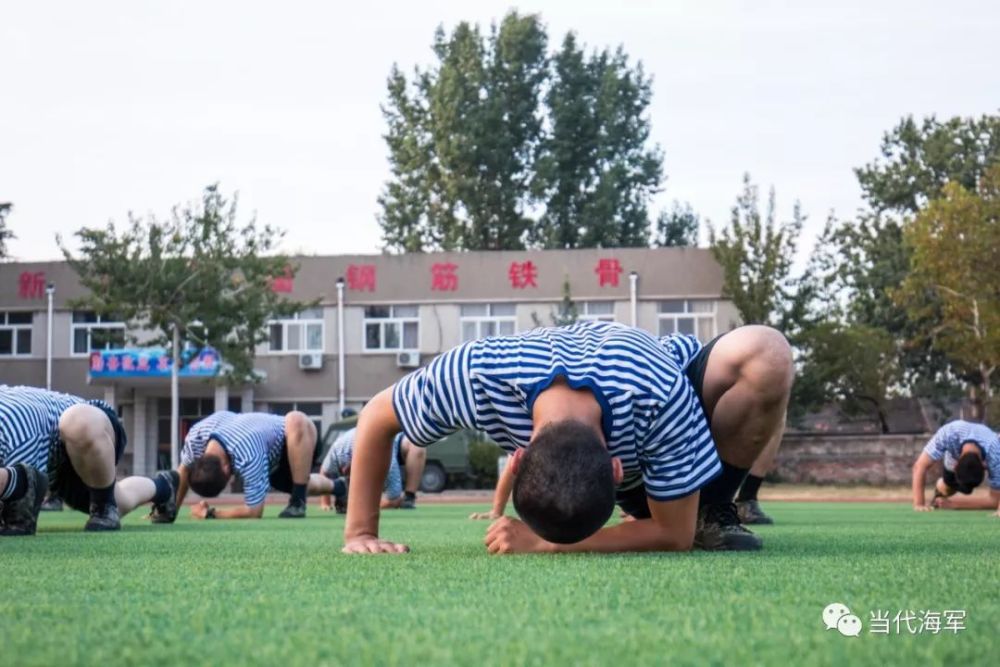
point(498, 147)
point(463, 138)
point(756, 254)
point(200, 272)
point(918, 160)
point(955, 258)
point(596, 173)
point(677, 227)
point(5, 233)
point(854, 365)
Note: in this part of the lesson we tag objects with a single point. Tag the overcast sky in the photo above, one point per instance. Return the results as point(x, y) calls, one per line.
point(107, 107)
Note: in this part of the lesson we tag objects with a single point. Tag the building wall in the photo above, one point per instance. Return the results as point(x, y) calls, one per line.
point(402, 280)
point(850, 459)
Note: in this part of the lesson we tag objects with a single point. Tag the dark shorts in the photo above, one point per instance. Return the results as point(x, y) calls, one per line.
point(281, 477)
point(633, 501)
point(63, 479)
point(953, 483)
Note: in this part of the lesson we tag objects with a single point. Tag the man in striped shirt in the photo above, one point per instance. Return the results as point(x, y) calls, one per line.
point(969, 452)
point(594, 414)
point(337, 466)
point(265, 450)
point(70, 446)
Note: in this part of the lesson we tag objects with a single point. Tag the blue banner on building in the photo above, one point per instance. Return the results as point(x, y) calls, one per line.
point(152, 363)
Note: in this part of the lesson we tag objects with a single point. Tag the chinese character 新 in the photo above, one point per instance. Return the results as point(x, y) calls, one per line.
point(361, 277)
point(31, 285)
point(522, 274)
point(443, 277)
point(607, 272)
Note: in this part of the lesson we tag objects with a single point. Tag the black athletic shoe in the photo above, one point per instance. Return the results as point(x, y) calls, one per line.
point(20, 517)
point(408, 504)
point(103, 518)
point(52, 504)
point(719, 529)
point(340, 504)
point(751, 514)
point(166, 512)
point(293, 511)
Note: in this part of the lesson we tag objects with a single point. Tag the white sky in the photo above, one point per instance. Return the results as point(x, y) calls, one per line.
point(107, 107)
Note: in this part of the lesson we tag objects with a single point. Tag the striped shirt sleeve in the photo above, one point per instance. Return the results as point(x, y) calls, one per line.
point(678, 455)
point(436, 400)
point(682, 347)
point(937, 445)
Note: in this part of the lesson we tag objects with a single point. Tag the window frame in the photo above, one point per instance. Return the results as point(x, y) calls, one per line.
point(400, 320)
point(17, 330)
point(304, 323)
point(688, 312)
point(489, 318)
point(584, 314)
point(100, 323)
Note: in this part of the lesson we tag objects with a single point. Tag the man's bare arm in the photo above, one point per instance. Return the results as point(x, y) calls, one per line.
point(201, 510)
point(920, 467)
point(980, 502)
point(377, 426)
point(500, 497)
point(182, 485)
point(671, 528)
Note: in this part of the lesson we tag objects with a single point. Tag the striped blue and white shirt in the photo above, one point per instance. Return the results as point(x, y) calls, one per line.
point(652, 419)
point(342, 451)
point(29, 424)
point(254, 441)
point(947, 444)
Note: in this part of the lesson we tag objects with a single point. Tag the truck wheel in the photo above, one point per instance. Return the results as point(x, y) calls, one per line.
point(434, 479)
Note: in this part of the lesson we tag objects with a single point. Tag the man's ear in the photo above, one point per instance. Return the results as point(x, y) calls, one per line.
point(616, 470)
point(515, 460)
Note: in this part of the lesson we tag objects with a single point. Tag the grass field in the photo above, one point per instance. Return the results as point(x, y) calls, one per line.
point(275, 592)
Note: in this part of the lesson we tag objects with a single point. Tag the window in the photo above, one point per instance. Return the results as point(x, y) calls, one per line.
point(91, 331)
point(15, 334)
point(603, 311)
point(688, 316)
point(301, 333)
point(481, 320)
point(390, 328)
point(312, 410)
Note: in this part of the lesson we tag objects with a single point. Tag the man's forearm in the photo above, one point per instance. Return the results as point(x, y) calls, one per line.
point(372, 453)
point(919, 473)
point(182, 485)
point(958, 502)
point(640, 535)
point(241, 512)
point(504, 486)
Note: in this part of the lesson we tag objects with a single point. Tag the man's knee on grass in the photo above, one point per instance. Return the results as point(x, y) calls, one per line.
point(208, 476)
point(564, 487)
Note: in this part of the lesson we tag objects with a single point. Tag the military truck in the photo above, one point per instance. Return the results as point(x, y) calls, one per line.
point(447, 460)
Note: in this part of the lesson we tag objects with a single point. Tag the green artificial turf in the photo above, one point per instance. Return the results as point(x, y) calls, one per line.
point(278, 592)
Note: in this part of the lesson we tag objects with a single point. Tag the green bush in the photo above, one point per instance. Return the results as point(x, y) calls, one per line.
point(483, 455)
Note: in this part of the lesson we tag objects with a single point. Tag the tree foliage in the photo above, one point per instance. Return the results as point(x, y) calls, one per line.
point(955, 258)
point(756, 254)
point(200, 271)
point(5, 233)
point(677, 227)
point(498, 146)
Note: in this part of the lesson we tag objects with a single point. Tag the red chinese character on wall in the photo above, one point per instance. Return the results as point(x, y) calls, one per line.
point(163, 364)
point(361, 277)
point(285, 283)
point(113, 363)
point(96, 362)
point(128, 364)
point(522, 274)
point(143, 363)
point(607, 272)
point(31, 285)
point(443, 277)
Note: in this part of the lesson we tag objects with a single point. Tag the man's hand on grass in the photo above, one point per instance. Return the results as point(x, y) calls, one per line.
point(512, 536)
point(488, 516)
point(199, 510)
point(944, 503)
point(370, 544)
point(922, 508)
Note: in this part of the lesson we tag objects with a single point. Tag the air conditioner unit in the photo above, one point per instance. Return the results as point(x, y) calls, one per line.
point(311, 361)
point(408, 359)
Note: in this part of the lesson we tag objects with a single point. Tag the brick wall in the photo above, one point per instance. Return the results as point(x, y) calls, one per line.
point(849, 459)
